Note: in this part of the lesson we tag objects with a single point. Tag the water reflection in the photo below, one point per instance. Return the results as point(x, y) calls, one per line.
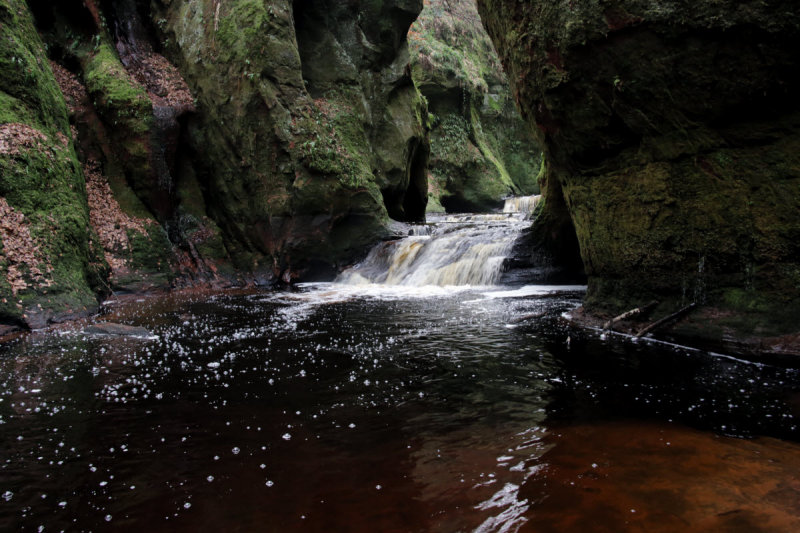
point(336, 409)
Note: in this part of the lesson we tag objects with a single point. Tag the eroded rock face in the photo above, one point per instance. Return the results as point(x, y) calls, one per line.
point(309, 128)
point(671, 132)
point(203, 141)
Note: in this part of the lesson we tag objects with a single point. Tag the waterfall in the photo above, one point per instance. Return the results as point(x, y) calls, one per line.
point(452, 250)
point(521, 204)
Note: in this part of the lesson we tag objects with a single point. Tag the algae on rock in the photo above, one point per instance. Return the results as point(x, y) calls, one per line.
point(119, 139)
point(281, 144)
point(309, 132)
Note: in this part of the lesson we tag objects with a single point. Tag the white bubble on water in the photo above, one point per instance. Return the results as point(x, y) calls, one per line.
point(286, 436)
point(7, 495)
point(235, 450)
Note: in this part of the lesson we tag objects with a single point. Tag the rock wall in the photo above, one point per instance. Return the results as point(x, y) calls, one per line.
point(481, 149)
point(168, 143)
point(671, 132)
point(309, 129)
point(50, 261)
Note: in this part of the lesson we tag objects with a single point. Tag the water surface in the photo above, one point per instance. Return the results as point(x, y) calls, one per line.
point(373, 408)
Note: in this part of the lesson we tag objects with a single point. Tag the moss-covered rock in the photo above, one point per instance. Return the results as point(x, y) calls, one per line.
point(481, 149)
point(128, 105)
point(48, 268)
point(308, 128)
point(671, 132)
point(299, 133)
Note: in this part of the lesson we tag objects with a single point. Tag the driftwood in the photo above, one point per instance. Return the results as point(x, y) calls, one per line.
point(659, 323)
point(627, 315)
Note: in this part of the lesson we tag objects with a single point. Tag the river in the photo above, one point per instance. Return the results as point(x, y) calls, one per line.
point(381, 404)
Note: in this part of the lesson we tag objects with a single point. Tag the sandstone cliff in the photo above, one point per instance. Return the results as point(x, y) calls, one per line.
point(671, 132)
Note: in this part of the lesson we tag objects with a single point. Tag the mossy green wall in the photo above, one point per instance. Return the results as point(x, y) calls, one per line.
point(41, 179)
point(280, 164)
point(295, 158)
point(671, 136)
point(481, 149)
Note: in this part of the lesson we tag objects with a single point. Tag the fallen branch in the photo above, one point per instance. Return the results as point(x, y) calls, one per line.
point(627, 315)
point(666, 319)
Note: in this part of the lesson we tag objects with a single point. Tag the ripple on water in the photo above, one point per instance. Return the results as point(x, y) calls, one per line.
point(384, 410)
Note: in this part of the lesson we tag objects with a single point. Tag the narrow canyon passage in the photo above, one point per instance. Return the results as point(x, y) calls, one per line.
point(436, 266)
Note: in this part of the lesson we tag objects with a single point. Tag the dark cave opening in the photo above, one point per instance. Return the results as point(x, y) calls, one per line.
point(415, 199)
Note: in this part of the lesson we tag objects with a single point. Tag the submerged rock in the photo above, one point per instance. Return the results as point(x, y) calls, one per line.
point(119, 330)
point(672, 136)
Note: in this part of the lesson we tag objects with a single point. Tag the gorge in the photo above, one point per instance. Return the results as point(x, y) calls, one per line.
point(226, 144)
point(399, 265)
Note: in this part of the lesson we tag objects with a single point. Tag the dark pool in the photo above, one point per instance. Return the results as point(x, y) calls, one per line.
point(348, 409)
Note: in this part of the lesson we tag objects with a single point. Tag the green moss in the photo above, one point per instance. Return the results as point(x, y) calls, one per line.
point(43, 180)
point(449, 47)
point(745, 300)
point(13, 110)
point(674, 149)
point(28, 93)
point(121, 101)
point(150, 252)
point(480, 149)
point(310, 155)
point(434, 205)
point(466, 162)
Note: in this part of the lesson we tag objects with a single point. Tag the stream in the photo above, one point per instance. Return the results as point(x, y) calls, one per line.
point(406, 396)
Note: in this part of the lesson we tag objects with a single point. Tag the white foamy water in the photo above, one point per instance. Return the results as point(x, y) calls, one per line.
point(535, 290)
point(521, 204)
point(453, 251)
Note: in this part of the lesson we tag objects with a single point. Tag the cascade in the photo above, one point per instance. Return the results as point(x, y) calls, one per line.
point(451, 250)
point(521, 204)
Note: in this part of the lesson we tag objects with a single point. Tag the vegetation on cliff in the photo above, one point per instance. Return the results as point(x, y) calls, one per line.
point(281, 144)
point(481, 150)
point(49, 257)
point(306, 138)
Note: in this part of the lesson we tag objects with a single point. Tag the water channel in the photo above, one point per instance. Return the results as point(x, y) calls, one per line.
point(407, 396)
